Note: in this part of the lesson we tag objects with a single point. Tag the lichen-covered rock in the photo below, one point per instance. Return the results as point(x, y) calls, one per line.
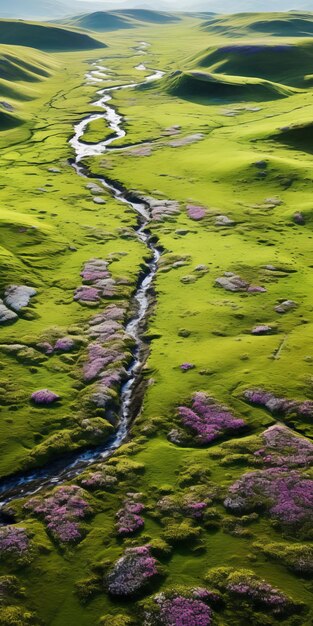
point(18, 296)
point(223, 220)
point(6, 315)
point(44, 397)
point(262, 329)
point(186, 141)
point(132, 573)
point(65, 344)
point(87, 294)
point(298, 218)
point(285, 306)
point(233, 282)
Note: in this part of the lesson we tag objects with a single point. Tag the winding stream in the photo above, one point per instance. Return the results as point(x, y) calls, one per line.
point(66, 468)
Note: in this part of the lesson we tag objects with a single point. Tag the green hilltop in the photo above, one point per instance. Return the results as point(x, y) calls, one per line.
point(45, 36)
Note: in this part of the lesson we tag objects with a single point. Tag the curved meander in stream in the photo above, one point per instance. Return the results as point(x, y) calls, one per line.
point(67, 467)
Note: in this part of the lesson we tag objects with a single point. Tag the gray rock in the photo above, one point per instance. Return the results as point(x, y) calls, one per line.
point(232, 283)
point(5, 314)
point(18, 296)
point(285, 306)
point(223, 220)
point(98, 200)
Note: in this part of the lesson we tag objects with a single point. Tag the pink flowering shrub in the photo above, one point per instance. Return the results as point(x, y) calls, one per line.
point(196, 213)
point(65, 344)
point(14, 544)
point(185, 367)
point(99, 480)
point(87, 294)
point(208, 420)
point(281, 447)
point(44, 397)
point(129, 520)
point(179, 608)
point(244, 587)
point(188, 505)
point(62, 512)
point(287, 496)
point(283, 406)
point(132, 573)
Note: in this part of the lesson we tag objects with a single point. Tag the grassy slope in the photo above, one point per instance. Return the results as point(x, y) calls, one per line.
point(217, 172)
point(258, 24)
point(44, 36)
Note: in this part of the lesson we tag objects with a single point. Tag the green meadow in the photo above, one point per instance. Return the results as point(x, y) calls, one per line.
point(228, 129)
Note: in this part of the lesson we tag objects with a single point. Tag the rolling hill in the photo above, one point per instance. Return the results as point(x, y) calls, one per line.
point(115, 20)
point(196, 85)
point(145, 15)
point(45, 37)
point(99, 21)
point(294, 24)
point(288, 64)
point(20, 68)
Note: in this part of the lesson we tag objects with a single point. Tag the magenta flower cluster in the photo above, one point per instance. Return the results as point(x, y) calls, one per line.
point(62, 512)
point(248, 587)
point(132, 572)
point(129, 520)
point(275, 404)
point(13, 541)
point(195, 212)
point(99, 479)
point(286, 495)
point(283, 448)
point(98, 282)
point(107, 353)
point(208, 420)
point(64, 344)
point(180, 610)
point(188, 506)
point(185, 367)
point(44, 397)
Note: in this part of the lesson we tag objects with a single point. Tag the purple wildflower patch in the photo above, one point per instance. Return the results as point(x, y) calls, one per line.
point(208, 420)
point(132, 573)
point(283, 448)
point(287, 496)
point(275, 404)
point(129, 520)
point(44, 397)
point(14, 542)
point(175, 609)
point(62, 512)
point(243, 586)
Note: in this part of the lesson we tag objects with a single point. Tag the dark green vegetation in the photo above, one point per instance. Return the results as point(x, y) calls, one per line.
point(228, 170)
point(45, 37)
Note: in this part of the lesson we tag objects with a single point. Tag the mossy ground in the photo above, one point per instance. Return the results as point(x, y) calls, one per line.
point(50, 226)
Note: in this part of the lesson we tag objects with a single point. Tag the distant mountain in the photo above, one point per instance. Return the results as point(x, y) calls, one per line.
point(239, 6)
point(53, 9)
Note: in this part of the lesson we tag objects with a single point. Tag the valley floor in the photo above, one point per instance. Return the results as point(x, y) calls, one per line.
point(209, 502)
